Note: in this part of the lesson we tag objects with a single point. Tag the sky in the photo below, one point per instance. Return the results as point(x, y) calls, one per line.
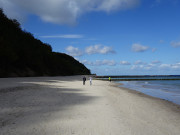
point(110, 37)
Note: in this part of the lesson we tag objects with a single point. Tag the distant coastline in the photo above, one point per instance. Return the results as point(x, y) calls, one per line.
point(139, 77)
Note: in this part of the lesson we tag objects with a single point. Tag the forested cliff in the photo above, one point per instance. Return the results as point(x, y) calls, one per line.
point(23, 55)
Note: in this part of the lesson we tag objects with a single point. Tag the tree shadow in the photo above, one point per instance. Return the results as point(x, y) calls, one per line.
point(33, 103)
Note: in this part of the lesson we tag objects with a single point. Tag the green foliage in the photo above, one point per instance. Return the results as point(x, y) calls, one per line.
point(23, 55)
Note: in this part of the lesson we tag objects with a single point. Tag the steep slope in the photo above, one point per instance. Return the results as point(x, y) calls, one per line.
point(23, 55)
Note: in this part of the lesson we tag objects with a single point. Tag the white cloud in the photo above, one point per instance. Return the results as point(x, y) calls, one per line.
point(156, 66)
point(175, 66)
point(63, 11)
point(175, 43)
point(165, 66)
point(105, 62)
point(111, 5)
point(73, 51)
point(100, 62)
point(139, 48)
point(99, 49)
point(86, 62)
point(156, 62)
point(170, 66)
point(63, 36)
point(137, 67)
point(140, 65)
point(143, 67)
point(12, 10)
point(139, 62)
point(150, 66)
point(125, 63)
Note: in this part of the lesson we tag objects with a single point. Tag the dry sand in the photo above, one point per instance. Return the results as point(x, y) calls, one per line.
point(63, 106)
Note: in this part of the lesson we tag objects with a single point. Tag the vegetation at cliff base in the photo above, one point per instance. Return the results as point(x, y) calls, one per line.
point(23, 55)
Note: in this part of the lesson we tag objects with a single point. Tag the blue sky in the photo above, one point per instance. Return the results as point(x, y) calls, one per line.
point(111, 37)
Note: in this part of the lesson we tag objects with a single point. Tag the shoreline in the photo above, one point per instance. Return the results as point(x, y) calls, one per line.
point(63, 105)
point(133, 91)
point(120, 85)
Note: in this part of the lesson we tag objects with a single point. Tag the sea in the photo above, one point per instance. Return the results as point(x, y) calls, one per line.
point(164, 87)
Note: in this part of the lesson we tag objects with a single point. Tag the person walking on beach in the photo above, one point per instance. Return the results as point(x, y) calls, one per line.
point(110, 79)
point(90, 80)
point(84, 80)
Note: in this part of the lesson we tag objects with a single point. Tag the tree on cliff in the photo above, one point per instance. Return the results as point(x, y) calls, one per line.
point(23, 55)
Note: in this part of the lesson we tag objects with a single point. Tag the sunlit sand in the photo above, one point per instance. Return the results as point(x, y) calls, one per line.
point(64, 106)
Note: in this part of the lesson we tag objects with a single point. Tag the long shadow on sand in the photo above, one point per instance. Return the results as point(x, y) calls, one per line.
point(31, 104)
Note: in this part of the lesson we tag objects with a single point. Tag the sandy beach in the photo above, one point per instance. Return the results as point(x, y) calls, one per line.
point(64, 106)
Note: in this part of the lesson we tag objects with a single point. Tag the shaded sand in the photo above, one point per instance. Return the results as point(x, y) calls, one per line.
point(63, 106)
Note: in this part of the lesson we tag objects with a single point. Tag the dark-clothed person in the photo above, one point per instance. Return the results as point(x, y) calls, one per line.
point(84, 80)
